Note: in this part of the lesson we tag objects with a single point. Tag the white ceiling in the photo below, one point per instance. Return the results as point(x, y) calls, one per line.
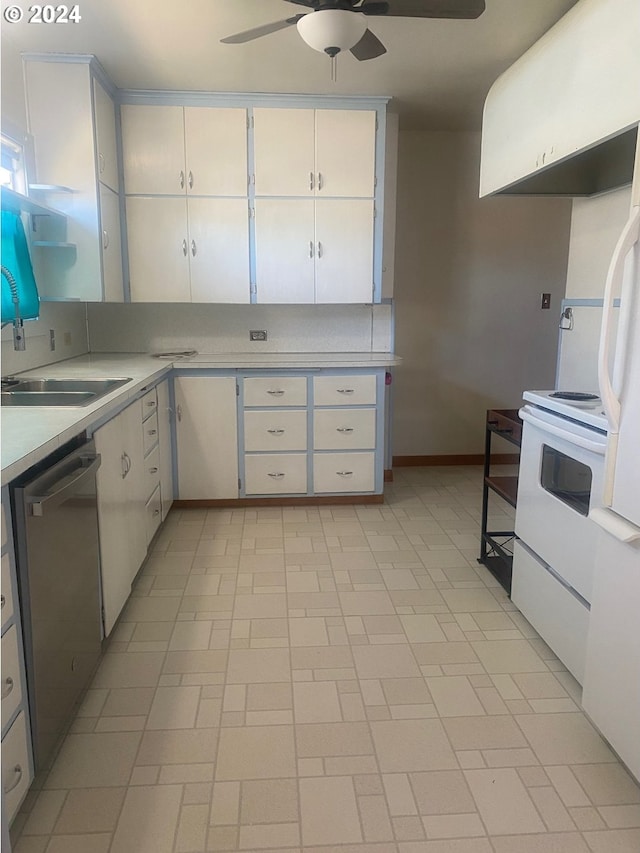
point(437, 71)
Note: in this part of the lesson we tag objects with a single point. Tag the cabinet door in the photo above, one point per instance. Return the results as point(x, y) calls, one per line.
point(166, 457)
point(345, 152)
point(284, 151)
point(344, 250)
point(105, 125)
point(216, 150)
point(112, 522)
point(219, 249)
point(158, 249)
point(111, 245)
point(153, 149)
point(135, 485)
point(285, 250)
point(206, 436)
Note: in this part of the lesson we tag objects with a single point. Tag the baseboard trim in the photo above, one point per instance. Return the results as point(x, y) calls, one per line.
point(276, 501)
point(388, 475)
point(454, 459)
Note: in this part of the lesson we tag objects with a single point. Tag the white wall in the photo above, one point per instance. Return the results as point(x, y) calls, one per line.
point(468, 279)
point(65, 318)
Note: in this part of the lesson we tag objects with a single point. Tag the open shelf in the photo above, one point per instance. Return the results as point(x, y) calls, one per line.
point(506, 487)
point(19, 203)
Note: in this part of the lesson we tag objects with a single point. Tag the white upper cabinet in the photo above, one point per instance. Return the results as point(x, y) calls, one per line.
point(344, 250)
point(171, 150)
point(219, 249)
point(105, 122)
point(111, 244)
point(285, 250)
point(305, 152)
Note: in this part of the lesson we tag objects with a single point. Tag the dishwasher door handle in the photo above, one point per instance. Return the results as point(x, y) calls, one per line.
point(40, 503)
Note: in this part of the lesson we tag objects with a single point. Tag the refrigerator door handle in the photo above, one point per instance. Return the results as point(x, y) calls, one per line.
point(628, 239)
point(615, 525)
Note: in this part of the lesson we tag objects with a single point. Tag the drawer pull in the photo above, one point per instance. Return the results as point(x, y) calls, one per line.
point(275, 431)
point(151, 403)
point(8, 686)
point(152, 431)
point(344, 429)
point(17, 770)
point(276, 393)
point(156, 512)
point(344, 390)
point(3, 601)
point(344, 473)
point(153, 470)
point(276, 475)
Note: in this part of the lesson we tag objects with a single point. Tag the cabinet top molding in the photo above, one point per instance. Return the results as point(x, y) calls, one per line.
point(249, 99)
point(78, 59)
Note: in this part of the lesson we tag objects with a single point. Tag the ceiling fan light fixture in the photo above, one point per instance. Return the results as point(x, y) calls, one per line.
point(332, 30)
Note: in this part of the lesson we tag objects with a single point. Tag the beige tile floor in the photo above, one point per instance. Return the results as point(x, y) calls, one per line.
point(331, 678)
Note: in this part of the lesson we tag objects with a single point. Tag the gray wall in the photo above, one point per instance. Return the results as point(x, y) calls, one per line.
point(468, 277)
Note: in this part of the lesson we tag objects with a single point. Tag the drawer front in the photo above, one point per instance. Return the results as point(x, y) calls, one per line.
point(275, 391)
point(15, 766)
point(278, 430)
point(11, 681)
point(343, 472)
point(149, 403)
point(150, 432)
point(344, 429)
point(344, 390)
point(152, 471)
point(153, 514)
point(5, 521)
point(557, 615)
point(276, 474)
point(6, 591)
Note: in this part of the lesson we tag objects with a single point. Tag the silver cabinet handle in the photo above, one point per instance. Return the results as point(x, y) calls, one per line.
point(276, 475)
point(101, 162)
point(105, 240)
point(3, 601)
point(184, 248)
point(311, 248)
point(344, 473)
point(344, 429)
point(344, 390)
point(152, 431)
point(17, 771)
point(194, 248)
point(151, 403)
point(179, 412)
point(320, 181)
point(127, 464)
point(276, 393)
point(7, 686)
point(156, 512)
point(153, 470)
point(190, 179)
point(181, 179)
point(123, 465)
point(319, 249)
point(275, 431)
point(310, 180)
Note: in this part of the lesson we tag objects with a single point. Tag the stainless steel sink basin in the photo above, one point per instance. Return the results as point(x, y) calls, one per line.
point(58, 392)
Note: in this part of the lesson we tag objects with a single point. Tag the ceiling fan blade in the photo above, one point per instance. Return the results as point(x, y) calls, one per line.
point(264, 30)
point(368, 47)
point(462, 9)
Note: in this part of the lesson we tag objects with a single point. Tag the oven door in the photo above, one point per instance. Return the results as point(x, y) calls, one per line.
point(561, 475)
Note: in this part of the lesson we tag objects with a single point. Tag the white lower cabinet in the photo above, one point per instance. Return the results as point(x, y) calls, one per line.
point(16, 776)
point(343, 472)
point(276, 474)
point(165, 454)
point(206, 437)
point(344, 429)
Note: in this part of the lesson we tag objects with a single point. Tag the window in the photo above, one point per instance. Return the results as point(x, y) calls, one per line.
point(12, 172)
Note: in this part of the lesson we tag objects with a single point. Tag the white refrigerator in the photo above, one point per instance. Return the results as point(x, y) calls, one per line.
point(611, 690)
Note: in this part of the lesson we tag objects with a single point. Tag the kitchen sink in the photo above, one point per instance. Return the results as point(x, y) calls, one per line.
point(57, 392)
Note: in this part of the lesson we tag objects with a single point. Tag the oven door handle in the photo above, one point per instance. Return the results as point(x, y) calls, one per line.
point(625, 244)
point(565, 435)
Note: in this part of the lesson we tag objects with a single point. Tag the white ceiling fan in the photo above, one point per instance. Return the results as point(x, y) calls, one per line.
point(336, 25)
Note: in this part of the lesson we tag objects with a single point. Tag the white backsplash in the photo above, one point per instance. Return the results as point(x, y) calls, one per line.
point(225, 328)
point(66, 319)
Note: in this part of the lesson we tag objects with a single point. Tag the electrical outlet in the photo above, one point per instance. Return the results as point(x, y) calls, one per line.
point(52, 339)
point(257, 334)
point(545, 301)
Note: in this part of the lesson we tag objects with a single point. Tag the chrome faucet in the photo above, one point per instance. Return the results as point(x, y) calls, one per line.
point(19, 342)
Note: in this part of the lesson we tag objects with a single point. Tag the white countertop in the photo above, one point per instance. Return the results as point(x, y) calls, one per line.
point(31, 433)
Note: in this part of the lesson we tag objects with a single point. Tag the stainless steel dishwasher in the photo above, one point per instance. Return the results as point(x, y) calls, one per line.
point(58, 570)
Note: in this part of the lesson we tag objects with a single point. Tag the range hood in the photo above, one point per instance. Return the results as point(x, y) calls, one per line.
point(563, 120)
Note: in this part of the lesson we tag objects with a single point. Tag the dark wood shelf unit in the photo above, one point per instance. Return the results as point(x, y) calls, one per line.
point(496, 545)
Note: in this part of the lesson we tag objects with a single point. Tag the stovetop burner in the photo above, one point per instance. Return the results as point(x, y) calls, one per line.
point(576, 396)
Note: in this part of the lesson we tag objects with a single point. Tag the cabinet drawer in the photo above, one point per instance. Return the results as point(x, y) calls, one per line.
point(150, 433)
point(15, 766)
point(344, 390)
point(276, 474)
point(4, 526)
point(558, 616)
point(11, 681)
point(152, 471)
point(275, 391)
point(153, 514)
point(149, 403)
point(344, 429)
point(343, 472)
point(277, 430)
point(6, 590)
